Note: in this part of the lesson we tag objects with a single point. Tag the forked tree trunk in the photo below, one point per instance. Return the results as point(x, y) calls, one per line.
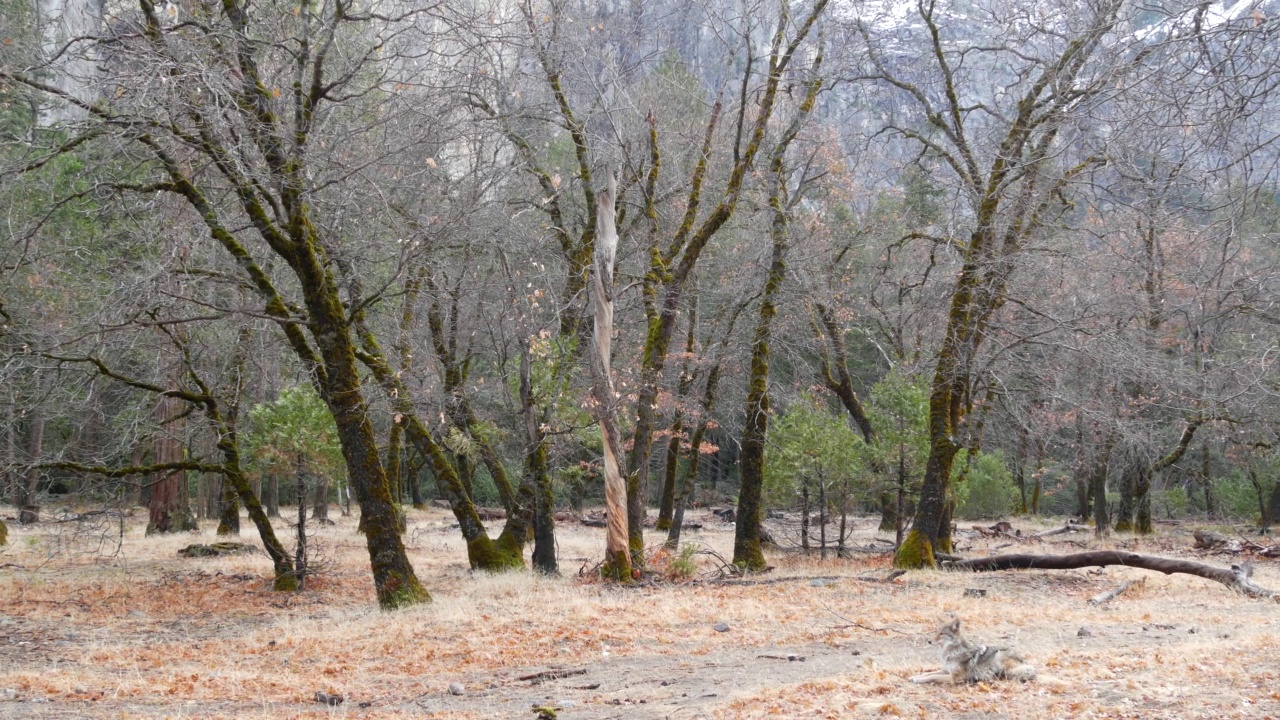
point(617, 560)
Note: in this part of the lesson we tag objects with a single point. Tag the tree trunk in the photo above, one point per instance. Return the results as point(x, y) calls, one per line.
point(1142, 497)
point(619, 547)
point(804, 514)
point(670, 271)
point(670, 493)
point(167, 513)
point(300, 548)
point(395, 457)
point(1082, 495)
point(320, 511)
point(271, 495)
point(671, 468)
point(1274, 506)
point(228, 509)
point(537, 482)
point(394, 580)
point(1206, 481)
point(747, 552)
point(1124, 511)
point(1098, 487)
point(689, 484)
point(28, 486)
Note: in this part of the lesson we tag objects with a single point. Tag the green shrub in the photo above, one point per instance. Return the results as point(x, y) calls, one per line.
point(988, 491)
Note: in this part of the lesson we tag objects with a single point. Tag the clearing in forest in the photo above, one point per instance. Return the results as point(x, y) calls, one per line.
point(92, 630)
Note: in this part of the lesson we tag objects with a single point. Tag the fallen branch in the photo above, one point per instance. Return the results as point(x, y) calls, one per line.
point(545, 675)
point(1238, 577)
point(1112, 594)
point(886, 579)
point(1070, 526)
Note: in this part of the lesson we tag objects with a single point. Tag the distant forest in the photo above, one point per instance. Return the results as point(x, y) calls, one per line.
point(921, 260)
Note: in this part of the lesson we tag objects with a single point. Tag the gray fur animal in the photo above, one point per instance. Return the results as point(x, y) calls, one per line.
point(964, 661)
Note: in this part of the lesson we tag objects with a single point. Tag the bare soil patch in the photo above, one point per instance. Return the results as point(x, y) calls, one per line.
point(89, 630)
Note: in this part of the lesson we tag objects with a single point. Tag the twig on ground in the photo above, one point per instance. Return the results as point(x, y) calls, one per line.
point(1115, 592)
point(856, 624)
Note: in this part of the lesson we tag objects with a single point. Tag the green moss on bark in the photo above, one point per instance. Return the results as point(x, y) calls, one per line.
point(915, 552)
point(4, 533)
point(401, 590)
point(491, 556)
point(616, 567)
point(285, 582)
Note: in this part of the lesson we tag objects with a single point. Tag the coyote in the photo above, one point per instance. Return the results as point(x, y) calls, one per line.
point(964, 661)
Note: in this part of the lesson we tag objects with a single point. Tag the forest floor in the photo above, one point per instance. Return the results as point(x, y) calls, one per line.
point(95, 626)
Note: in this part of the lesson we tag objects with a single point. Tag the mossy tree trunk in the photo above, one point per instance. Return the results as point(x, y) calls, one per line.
point(1010, 207)
point(747, 551)
point(228, 509)
point(671, 468)
point(670, 268)
point(537, 479)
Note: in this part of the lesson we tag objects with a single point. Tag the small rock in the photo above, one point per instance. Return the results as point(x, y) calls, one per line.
point(457, 688)
point(1084, 632)
point(331, 700)
point(1193, 630)
point(566, 703)
point(821, 582)
point(975, 592)
point(8, 694)
point(137, 614)
point(721, 627)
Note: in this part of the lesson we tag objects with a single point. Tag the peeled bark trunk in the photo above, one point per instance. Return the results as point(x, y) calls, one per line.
point(618, 550)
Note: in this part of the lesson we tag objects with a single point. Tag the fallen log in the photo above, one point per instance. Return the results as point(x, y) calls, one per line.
point(1238, 577)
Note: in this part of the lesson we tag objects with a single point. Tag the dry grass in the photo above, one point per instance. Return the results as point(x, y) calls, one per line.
point(86, 632)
